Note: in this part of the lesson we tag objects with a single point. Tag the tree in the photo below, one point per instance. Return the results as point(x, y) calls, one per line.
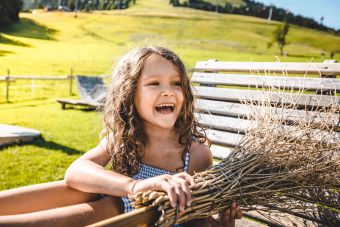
point(71, 4)
point(321, 20)
point(279, 36)
point(9, 11)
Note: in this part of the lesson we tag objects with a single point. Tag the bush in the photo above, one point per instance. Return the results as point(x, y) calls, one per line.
point(9, 12)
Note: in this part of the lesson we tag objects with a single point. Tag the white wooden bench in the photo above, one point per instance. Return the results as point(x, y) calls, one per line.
point(223, 88)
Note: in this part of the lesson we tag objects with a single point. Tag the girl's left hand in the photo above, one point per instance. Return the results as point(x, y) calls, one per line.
point(227, 217)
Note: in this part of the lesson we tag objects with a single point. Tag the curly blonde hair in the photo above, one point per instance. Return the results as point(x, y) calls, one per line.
point(122, 125)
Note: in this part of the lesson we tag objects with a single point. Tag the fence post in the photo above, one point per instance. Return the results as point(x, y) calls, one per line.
point(327, 91)
point(71, 78)
point(7, 85)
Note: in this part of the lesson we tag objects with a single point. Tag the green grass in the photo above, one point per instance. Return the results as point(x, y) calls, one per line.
point(66, 135)
point(54, 42)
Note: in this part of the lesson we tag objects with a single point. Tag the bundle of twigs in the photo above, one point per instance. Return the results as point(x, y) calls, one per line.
point(291, 167)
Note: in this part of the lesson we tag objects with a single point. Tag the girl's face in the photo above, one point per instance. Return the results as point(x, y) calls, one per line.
point(159, 96)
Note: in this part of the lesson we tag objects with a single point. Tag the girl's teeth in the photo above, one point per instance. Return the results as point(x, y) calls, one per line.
point(165, 105)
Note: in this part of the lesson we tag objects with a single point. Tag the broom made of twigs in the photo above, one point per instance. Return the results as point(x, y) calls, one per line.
point(276, 167)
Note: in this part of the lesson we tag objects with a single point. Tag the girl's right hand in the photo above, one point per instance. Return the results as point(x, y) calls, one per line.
point(176, 186)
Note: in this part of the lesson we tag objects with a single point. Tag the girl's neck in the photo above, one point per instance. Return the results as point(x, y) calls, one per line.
point(161, 138)
point(162, 144)
point(154, 133)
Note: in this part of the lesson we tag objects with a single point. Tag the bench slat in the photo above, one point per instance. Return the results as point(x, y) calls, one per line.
point(220, 152)
point(238, 95)
point(283, 82)
point(270, 67)
point(242, 110)
point(236, 125)
point(227, 139)
point(229, 124)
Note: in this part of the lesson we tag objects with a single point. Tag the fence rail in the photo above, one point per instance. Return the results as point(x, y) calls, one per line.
point(9, 80)
point(24, 77)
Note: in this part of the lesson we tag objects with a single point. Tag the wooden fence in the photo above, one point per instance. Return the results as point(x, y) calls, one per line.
point(9, 81)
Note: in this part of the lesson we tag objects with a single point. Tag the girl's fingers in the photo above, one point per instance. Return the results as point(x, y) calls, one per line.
point(176, 195)
point(225, 215)
point(180, 198)
point(232, 211)
point(187, 192)
point(231, 223)
point(186, 177)
point(170, 190)
point(239, 213)
point(172, 196)
point(185, 188)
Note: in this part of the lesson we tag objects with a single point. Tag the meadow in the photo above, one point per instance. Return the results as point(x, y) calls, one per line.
point(54, 43)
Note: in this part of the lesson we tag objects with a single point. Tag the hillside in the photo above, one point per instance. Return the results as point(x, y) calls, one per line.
point(50, 43)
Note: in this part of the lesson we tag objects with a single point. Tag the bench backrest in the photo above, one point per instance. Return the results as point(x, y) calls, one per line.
point(91, 88)
point(224, 88)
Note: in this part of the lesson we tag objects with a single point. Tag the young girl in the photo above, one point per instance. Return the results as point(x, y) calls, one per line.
point(152, 142)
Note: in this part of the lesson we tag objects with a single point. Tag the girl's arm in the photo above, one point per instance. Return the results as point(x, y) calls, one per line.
point(88, 174)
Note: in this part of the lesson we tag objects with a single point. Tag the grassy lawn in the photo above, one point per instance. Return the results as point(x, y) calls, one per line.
point(54, 42)
point(51, 43)
point(66, 135)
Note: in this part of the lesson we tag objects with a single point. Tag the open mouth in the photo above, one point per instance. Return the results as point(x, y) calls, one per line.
point(165, 108)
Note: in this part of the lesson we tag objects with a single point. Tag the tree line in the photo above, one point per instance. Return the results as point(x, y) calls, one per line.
point(85, 5)
point(256, 9)
point(9, 9)
point(9, 12)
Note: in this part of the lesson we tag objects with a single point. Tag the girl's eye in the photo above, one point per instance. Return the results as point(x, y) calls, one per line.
point(153, 83)
point(178, 83)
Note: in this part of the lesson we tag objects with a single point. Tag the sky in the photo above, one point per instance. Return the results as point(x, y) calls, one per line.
point(329, 9)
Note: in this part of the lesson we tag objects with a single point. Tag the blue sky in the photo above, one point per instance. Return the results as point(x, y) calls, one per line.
point(329, 9)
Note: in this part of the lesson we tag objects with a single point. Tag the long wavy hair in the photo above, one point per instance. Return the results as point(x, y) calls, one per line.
point(123, 127)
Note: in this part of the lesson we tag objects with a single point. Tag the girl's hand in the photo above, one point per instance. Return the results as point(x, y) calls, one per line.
point(227, 217)
point(176, 186)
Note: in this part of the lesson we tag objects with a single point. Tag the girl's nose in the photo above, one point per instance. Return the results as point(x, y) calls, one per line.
point(167, 92)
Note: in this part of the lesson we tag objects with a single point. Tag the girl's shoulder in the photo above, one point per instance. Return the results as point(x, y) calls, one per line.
point(200, 157)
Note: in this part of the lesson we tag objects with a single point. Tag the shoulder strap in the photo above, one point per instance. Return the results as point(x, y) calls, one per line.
point(186, 161)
